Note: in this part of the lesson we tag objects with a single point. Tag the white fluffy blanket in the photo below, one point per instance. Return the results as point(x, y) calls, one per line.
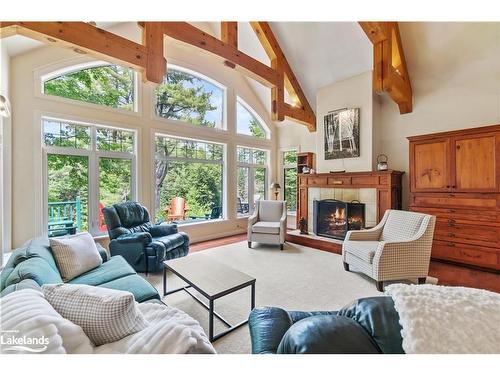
point(27, 315)
point(170, 330)
point(440, 319)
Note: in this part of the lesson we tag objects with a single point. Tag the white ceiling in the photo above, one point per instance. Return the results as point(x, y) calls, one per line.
point(17, 44)
point(319, 53)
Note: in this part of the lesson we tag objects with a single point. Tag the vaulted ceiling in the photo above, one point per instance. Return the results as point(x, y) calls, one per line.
point(319, 53)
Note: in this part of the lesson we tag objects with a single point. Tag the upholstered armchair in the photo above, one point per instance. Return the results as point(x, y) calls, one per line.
point(398, 248)
point(268, 223)
point(145, 246)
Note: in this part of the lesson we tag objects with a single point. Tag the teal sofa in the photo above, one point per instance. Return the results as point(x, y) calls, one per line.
point(33, 265)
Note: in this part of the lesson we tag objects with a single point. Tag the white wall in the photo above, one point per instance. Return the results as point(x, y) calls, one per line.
point(354, 92)
point(455, 74)
point(29, 106)
point(5, 160)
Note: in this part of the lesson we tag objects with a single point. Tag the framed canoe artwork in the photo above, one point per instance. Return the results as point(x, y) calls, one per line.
point(342, 134)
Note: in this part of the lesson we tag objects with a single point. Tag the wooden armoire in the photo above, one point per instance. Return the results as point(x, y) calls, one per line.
point(456, 177)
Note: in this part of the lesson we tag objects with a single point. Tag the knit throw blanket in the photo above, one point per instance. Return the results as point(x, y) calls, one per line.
point(440, 319)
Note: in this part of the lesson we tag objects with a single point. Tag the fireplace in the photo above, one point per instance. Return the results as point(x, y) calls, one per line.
point(333, 218)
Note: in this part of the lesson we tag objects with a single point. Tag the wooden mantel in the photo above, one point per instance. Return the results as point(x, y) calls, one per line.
point(387, 183)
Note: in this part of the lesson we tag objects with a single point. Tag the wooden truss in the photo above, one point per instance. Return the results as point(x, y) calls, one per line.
point(148, 57)
point(389, 65)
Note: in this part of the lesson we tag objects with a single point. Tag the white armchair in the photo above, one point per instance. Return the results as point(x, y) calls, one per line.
point(268, 223)
point(398, 248)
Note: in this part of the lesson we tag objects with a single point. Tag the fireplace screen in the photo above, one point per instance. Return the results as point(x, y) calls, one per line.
point(333, 218)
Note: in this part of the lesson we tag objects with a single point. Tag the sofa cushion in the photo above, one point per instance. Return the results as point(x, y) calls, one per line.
point(270, 227)
point(75, 254)
point(36, 269)
point(140, 288)
point(171, 241)
point(34, 248)
point(23, 284)
point(364, 250)
point(378, 316)
point(270, 210)
point(401, 226)
point(105, 315)
point(114, 268)
point(327, 334)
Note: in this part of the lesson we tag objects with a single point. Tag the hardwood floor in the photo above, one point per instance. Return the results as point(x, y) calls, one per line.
point(447, 274)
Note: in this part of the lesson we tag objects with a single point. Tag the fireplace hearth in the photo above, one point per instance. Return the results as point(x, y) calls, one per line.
point(333, 218)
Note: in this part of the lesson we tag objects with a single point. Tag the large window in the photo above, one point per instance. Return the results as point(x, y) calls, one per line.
point(290, 179)
point(247, 122)
point(186, 97)
point(87, 168)
point(108, 85)
point(188, 180)
point(251, 178)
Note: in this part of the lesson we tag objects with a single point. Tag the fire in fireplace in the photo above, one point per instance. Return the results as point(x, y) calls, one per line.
point(333, 218)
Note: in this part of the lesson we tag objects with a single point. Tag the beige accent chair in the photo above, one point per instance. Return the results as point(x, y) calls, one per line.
point(398, 248)
point(268, 223)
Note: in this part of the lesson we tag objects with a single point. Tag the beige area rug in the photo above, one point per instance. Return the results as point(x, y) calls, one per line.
point(297, 278)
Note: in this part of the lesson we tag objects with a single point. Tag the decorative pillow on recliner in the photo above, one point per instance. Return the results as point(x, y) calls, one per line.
point(75, 255)
point(105, 315)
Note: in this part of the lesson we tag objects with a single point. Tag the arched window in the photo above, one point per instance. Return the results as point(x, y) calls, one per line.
point(188, 97)
point(248, 122)
point(108, 85)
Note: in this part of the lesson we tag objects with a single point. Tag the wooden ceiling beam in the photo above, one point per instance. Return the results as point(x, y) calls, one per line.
point(278, 59)
point(189, 34)
point(229, 33)
point(87, 38)
point(300, 115)
point(390, 73)
point(150, 60)
point(153, 40)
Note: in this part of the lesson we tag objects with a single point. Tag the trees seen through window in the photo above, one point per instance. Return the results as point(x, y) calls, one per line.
point(185, 97)
point(246, 122)
point(109, 85)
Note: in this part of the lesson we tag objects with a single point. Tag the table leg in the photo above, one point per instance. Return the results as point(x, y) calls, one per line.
point(253, 297)
point(211, 320)
point(164, 281)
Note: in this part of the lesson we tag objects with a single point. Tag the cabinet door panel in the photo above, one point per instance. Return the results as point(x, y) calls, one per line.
point(430, 166)
point(475, 167)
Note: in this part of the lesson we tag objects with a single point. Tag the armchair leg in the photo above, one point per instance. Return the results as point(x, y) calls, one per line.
point(346, 266)
point(281, 246)
point(249, 244)
point(380, 286)
point(421, 280)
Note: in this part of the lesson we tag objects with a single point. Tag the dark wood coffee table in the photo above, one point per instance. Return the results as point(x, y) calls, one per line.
point(211, 279)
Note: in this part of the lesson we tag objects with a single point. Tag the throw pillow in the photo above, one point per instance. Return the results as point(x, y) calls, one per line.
point(105, 315)
point(75, 254)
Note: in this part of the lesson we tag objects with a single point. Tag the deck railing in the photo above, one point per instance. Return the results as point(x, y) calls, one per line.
point(65, 215)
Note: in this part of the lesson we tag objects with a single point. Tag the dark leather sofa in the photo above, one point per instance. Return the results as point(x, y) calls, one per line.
point(366, 326)
point(143, 245)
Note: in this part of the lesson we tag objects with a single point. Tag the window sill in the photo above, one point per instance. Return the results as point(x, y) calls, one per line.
point(187, 225)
